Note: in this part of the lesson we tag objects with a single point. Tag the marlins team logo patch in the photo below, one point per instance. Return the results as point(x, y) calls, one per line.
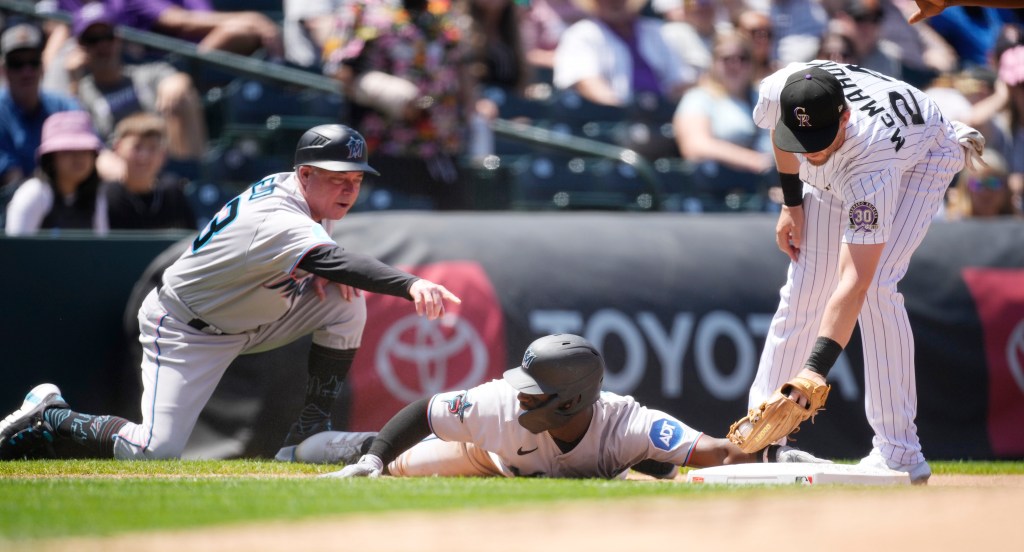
point(863, 217)
point(356, 148)
point(458, 405)
point(666, 434)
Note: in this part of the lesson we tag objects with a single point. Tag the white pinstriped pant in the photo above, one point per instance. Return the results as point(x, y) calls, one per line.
point(890, 389)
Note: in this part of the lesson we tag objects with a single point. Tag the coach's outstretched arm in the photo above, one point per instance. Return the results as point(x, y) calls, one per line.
point(405, 429)
point(364, 272)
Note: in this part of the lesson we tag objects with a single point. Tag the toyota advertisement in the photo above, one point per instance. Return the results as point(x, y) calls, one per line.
point(678, 304)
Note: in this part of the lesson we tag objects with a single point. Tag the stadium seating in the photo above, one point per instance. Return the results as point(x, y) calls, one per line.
point(255, 118)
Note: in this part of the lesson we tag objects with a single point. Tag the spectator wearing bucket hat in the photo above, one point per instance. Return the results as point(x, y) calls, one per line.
point(23, 104)
point(66, 191)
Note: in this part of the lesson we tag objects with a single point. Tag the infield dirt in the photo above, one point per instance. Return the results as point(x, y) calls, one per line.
point(954, 512)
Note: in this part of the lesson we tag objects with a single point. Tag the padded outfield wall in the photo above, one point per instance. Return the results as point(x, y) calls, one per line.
point(679, 305)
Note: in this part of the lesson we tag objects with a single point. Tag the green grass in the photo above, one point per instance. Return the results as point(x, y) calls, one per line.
point(965, 467)
point(99, 497)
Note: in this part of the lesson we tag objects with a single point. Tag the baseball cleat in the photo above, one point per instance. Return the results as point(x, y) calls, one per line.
point(296, 436)
point(25, 430)
point(919, 472)
point(286, 454)
point(333, 447)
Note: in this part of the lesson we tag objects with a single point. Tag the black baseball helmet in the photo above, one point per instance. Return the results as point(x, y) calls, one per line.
point(565, 366)
point(333, 148)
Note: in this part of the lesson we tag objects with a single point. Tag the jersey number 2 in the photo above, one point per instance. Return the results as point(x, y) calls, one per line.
point(225, 217)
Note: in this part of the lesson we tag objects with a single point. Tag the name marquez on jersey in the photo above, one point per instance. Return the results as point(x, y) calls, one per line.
point(905, 108)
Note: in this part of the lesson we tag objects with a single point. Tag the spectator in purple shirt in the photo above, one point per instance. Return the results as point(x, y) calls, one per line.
point(242, 32)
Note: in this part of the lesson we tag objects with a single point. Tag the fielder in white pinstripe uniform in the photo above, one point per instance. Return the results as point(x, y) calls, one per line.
point(864, 160)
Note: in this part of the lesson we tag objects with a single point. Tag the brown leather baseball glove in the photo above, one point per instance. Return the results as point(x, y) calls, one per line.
point(779, 416)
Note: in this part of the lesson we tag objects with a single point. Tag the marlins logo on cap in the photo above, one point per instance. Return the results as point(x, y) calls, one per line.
point(356, 148)
point(812, 106)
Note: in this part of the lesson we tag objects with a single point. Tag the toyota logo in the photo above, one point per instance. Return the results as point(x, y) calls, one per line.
point(429, 346)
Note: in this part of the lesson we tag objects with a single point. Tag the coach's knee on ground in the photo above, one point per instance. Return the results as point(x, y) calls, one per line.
point(138, 442)
point(126, 451)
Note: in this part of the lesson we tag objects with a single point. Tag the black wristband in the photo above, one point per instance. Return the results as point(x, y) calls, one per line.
point(823, 356)
point(792, 189)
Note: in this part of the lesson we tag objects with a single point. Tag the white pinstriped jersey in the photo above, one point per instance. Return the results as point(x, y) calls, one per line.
point(622, 433)
point(240, 271)
point(892, 128)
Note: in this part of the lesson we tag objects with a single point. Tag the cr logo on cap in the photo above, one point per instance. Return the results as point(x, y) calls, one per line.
point(802, 117)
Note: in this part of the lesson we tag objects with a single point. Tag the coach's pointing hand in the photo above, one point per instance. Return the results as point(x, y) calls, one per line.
point(430, 297)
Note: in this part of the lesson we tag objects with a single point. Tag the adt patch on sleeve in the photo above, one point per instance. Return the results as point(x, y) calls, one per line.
point(666, 434)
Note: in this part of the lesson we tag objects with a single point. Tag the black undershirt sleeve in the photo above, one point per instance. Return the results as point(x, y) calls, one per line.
point(358, 271)
point(405, 429)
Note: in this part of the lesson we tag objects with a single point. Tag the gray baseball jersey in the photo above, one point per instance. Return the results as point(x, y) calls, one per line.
point(622, 433)
point(883, 185)
point(241, 271)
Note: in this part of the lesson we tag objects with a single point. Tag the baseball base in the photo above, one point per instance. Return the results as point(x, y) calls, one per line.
point(797, 473)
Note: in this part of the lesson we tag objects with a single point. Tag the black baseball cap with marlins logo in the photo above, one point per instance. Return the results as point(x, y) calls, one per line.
point(812, 104)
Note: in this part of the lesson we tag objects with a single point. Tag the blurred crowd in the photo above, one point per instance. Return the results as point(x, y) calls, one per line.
point(89, 124)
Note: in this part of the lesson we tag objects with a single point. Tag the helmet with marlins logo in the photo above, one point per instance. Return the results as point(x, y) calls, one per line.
point(565, 366)
point(333, 148)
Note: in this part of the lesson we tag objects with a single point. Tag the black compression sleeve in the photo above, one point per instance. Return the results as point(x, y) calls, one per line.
point(404, 430)
point(359, 271)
